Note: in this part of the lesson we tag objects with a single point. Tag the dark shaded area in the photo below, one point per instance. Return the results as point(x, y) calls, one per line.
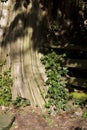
point(76, 72)
point(70, 53)
point(77, 54)
point(20, 3)
point(78, 128)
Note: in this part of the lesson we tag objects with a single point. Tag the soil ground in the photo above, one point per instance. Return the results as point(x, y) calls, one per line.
point(28, 118)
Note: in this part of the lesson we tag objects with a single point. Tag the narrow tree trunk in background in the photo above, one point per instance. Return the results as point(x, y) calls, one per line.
point(65, 12)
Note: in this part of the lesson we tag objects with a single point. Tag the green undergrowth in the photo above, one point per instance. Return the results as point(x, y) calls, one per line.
point(5, 87)
point(84, 114)
point(21, 102)
point(57, 93)
point(80, 98)
point(79, 95)
point(6, 83)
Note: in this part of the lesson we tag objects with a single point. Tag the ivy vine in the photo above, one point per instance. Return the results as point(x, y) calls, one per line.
point(57, 94)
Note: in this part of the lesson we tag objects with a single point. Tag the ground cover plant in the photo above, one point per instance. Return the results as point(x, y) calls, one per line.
point(5, 87)
point(6, 83)
point(21, 102)
point(57, 94)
